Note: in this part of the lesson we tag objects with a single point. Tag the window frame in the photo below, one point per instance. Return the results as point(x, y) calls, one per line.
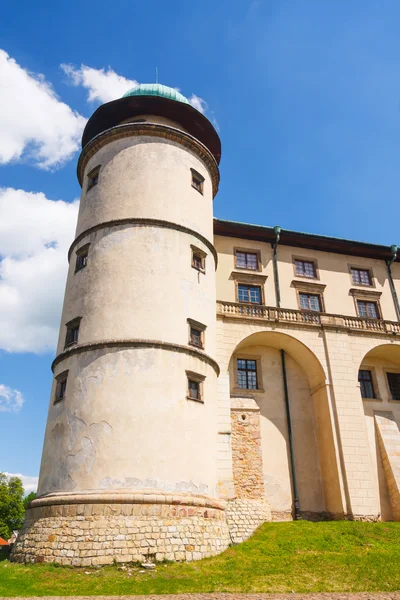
point(82, 251)
point(235, 389)
point(197, 181)
point(93, 177)
point(368, 301)
point(372, 381)
point(257, 253)
point(199, 380)
point(391, 371)
point(354, 267)
point(202, 255)
point(367, 296)
point(306, 259)
point(249, 285)
point(311, 289)
point(60, 379)
point(198, 327)
point(308, 294)
point(72, 325)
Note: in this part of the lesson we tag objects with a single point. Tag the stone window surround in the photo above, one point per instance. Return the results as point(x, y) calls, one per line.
point(59, 380)
point(368, 367)
point(73, 324)
point(93, 177)
point(366, 296)
point(237, 391)
point(362, 268)
point(202, 255)
point(306, 259)
point(200, 327)
point(191, 376)
point(248, 251)
point(387, 370)
point(306, 287)
point(197, 181)
point(83, 250)
point(249, 279)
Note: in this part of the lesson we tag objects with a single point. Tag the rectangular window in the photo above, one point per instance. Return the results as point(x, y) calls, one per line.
point(249, 293)
point(93, 177)
point(196, 337)
point(361, 276)
point(247, 260)
point(195, 386)
point(61, 387)
point(305, 268)
point(72, 332)
point(366, 384)
point(310, 301)
point(367, 309)
point(81, 257)
point(247, 374)
point(194, 389)
point(394, 385)
point(197, 181)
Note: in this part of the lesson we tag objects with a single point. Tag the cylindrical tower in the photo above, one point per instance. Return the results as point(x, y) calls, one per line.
point(129, 460)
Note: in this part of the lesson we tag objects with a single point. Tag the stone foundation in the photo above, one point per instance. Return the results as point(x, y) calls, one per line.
point(121, 528)
point(244, 516)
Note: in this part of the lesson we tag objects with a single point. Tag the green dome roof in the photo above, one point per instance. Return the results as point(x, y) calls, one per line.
point(156, 89)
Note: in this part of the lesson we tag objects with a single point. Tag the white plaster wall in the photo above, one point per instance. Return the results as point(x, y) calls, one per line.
point(126, 423)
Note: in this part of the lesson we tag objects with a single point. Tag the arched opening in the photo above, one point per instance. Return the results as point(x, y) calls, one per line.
point(379, 383)
point(255, 371)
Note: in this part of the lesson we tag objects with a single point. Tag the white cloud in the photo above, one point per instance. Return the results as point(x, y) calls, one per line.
point(30, 483)
point(34, 123)
point(35, 234)
point(10, 400)
point(198, 103)
point(103, 85)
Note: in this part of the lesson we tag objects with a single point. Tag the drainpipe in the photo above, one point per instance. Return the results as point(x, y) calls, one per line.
point(277, 231)
point(392, 287)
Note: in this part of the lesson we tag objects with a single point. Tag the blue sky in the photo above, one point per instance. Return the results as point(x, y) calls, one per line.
point(306, 97)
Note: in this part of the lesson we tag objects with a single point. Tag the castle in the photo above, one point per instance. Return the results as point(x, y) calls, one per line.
point(210, 375)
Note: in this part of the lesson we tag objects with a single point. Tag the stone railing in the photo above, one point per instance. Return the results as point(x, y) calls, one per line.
point(309, 318)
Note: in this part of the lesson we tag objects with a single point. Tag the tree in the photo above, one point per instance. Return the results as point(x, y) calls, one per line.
point(11, 505)
point(31, 496)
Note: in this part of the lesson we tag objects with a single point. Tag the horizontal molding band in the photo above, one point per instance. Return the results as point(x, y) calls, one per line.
point(124, 497)
point(158, 345)
point(142, 222)
point(149, 130)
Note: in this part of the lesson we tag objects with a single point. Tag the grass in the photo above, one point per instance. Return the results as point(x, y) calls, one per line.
point(280, 557)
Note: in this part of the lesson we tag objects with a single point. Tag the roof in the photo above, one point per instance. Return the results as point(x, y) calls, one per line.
point(3, 542)
point(156, 89)
point(303, 240)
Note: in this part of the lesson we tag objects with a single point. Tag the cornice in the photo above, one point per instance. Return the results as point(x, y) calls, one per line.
point(149, 130)
point(121, 344)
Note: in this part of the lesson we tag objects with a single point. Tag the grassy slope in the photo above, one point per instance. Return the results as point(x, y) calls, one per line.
point(302, 556)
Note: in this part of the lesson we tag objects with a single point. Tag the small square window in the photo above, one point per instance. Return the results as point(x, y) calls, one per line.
point(247, 374)
point(310, 301)
point(305, 268)
point(82, 257)
point(198, 259)
point(366, 384)
point(195, 386)
point(361, 276)
point(61, 387)
point(394, 385)
point(249, 293)
point(197, 181)
point(368, 310)
point(71, 337)
point(93, 178)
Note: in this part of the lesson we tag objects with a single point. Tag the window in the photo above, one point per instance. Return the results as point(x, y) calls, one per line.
point(61, 387)
point(197, 181)
point(310, 301)
point(247, 260)
point(81, 257)
point(72, 332)
point(247, 374)
point(305, 268)
point(195, 386)
point(196, 333)
point(361, 276)
point(367, 309)
point(249, 293)
point(198, 259)
point(394, 385)
point(366, 384)
point(93, 178)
